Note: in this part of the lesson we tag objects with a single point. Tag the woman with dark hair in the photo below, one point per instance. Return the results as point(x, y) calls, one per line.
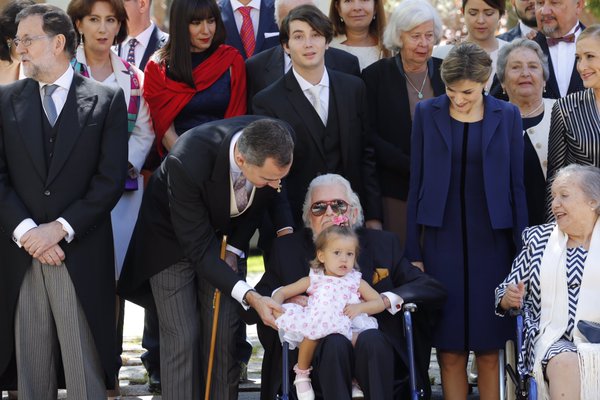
point(481, 19)
point(466, 211)
point(194, 78)
point(358, 27)
point(9, 63)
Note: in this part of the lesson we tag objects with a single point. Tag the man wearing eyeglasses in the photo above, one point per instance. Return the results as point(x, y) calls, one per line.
point(63, 162)
point(379, 358)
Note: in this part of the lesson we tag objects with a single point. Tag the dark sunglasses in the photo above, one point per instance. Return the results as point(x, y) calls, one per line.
point(337, 206)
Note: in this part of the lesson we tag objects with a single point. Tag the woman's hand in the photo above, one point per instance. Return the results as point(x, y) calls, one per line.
point(513, 297)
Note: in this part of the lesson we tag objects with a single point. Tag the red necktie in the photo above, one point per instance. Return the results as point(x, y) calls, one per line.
point(570, 38)
point(247, 31)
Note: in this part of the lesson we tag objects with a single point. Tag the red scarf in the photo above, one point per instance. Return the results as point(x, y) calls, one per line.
point(166, 97)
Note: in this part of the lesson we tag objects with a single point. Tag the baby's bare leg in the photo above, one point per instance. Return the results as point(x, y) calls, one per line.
point(306, 351)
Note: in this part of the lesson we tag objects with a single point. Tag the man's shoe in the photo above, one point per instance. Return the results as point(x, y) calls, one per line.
point(154, 383)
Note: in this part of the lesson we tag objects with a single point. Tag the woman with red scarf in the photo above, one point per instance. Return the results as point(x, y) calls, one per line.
point(194, 78)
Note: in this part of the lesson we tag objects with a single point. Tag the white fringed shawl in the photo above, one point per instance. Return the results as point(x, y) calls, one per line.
point(554, 309)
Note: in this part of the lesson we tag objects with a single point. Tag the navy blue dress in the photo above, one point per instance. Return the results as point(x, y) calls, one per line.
point(467, 255)
point(206, 105)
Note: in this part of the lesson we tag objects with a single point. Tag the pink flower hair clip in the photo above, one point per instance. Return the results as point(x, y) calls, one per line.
point(340, 220)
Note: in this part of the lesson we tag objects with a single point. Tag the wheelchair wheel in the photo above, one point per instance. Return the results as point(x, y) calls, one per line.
point(510, 388)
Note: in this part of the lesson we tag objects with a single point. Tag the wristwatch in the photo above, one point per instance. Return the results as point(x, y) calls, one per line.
point(244, 301)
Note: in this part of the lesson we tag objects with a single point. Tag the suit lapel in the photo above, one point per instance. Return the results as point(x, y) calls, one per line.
point(28, 111)
point(152, 46)
point(303, 108)
point(264, 20)
point(341, 100)
point(491, 120)
point(441, 117)
point(233, 35)
point(122, 76)
point(80, 103)
point(274, 66)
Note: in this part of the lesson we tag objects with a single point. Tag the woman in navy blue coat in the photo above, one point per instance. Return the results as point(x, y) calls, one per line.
point(466, 211)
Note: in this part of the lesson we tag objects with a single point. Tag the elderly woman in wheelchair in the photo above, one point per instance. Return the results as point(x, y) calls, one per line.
point(556, 281)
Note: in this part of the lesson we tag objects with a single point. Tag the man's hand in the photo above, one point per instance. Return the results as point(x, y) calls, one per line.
point(419, 264)
point(374, 224)
point(53, 256)
point(232, 260)
point(265, 307)
point(39, 240)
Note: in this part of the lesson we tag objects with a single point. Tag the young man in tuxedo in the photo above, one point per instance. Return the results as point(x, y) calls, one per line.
point(327, 110)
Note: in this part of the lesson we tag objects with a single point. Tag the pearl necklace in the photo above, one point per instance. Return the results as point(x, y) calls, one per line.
point(533, 111)
point(419, 92)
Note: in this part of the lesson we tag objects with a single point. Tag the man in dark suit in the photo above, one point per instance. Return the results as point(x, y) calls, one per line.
point(379, 360)
point(525, 10)
point(327, 110)
point(250, 25)
point(268, 66)
point(559, 27)
point(63, 162)
point(218, 179)
point(143, 39)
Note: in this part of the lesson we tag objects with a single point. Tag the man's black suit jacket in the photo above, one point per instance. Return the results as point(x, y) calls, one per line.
point(383, 267)
point(265, 68)
point(552, 91)
point(82, 184)
point(186, 210)
point(285, 100)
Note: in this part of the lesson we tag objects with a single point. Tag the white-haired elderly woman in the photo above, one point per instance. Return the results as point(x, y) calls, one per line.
point(555, 280)
point(522, 69)
point(394, 87)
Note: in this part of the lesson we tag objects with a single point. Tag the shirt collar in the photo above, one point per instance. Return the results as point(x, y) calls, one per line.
point(144, 37)
point(524, 29)
point(235, 4)
point(305, 85)
point(64, 81)
point(233, 167)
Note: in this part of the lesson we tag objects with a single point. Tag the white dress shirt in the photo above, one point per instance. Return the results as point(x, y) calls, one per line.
point(140, 48)
point(562, 56)
point(59, 97)
point(305, 86)
point(254, 14)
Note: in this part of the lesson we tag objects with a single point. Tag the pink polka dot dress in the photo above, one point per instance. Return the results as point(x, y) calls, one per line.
point(324, 313)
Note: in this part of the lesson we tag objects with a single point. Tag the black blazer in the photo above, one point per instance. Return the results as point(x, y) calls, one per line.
point(378, 249)
point(265, 68)
point(284, 100)
point(266, 24)
point(185, 211)
point(391, 123)
point(552, 91)
point(82, 184)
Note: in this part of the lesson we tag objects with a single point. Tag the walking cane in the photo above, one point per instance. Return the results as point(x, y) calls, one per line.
point(215, 322)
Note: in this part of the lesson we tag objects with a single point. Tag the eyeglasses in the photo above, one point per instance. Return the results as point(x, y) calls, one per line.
point(27, 40)
point(338, 206)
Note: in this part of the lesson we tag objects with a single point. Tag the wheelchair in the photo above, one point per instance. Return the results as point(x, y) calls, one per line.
point(515, 385)
point(415, 393)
